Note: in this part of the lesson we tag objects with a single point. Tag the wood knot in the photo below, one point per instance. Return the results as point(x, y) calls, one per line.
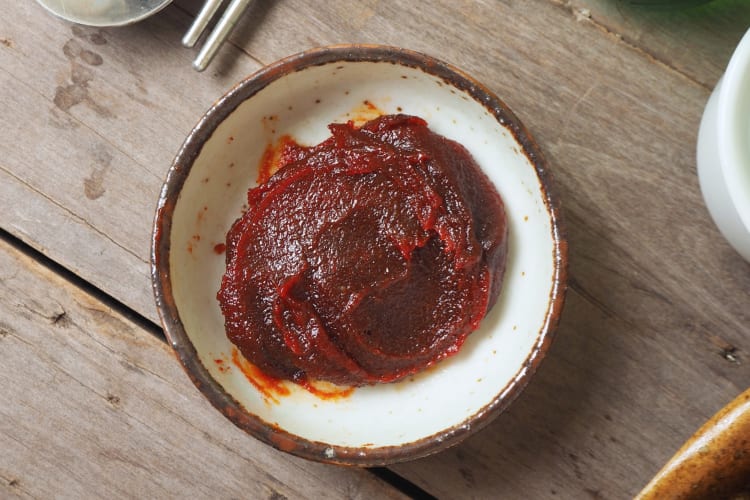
point(14, 483)
point(60, 319)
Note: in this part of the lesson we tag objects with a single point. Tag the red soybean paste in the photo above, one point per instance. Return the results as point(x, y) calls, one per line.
point(365, 258)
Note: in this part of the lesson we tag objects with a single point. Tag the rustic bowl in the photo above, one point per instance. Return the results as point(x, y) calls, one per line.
point(205, 191)
point(713, 463)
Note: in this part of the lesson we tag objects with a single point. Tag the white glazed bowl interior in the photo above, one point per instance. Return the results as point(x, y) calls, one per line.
point(450, 395)
point(723, 153)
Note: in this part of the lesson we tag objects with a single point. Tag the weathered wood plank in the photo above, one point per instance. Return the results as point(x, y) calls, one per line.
point(91, 120)
point(658, 307)
point(607, 408)
point(696, 41)
point(92, 406)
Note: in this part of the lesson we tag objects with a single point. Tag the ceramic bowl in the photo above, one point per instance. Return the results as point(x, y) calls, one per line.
point(723, 152)
point(713, 463)
point(204, 194)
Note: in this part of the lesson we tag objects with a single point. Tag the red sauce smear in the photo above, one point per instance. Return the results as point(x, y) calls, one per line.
point(365, 258)
point(220, 248)
point(271, 159)
point(270, 387)
point(329, 393)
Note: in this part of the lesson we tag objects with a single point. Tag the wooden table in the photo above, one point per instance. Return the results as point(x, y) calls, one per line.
point(654, 338)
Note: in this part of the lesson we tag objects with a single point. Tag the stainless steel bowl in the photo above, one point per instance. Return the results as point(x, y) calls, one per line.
point(103, 12)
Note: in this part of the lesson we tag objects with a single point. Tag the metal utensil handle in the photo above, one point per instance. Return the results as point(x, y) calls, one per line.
point(220, 32)
point(200, 23)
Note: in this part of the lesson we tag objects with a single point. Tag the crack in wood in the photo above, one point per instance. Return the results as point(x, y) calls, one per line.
point(118, 456)
point(73, 215)
point(579, 16)
point(116, 307)
point(652, 293)
point(590, 298)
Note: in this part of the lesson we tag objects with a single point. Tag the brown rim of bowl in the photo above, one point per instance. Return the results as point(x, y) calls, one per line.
point(183, 347)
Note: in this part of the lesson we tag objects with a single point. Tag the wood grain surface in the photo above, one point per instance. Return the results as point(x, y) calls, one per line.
point(94, 406)
point(92, 120)
point(654, 337)
point(696, 43)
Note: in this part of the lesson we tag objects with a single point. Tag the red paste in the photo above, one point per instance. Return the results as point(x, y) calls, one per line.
point(365, 258)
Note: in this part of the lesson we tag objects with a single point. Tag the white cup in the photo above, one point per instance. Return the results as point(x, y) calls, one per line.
point(723, 153)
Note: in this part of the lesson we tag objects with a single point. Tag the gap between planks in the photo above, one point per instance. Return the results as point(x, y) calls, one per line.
point(386, 475)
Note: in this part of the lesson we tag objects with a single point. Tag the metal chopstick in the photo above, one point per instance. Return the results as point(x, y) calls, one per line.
point(200, 23)
point(220, 32)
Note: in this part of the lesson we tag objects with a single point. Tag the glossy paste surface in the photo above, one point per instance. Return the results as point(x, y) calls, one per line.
point(365, 258)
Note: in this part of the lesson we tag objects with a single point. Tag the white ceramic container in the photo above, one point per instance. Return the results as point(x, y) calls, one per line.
point(723, 152)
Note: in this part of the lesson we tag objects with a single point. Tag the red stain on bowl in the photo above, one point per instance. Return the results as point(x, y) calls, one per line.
point(201, 214)
point(364, 113)
point(222, 364)
point(270, 387)
point(326, 390)
point(271, 159)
